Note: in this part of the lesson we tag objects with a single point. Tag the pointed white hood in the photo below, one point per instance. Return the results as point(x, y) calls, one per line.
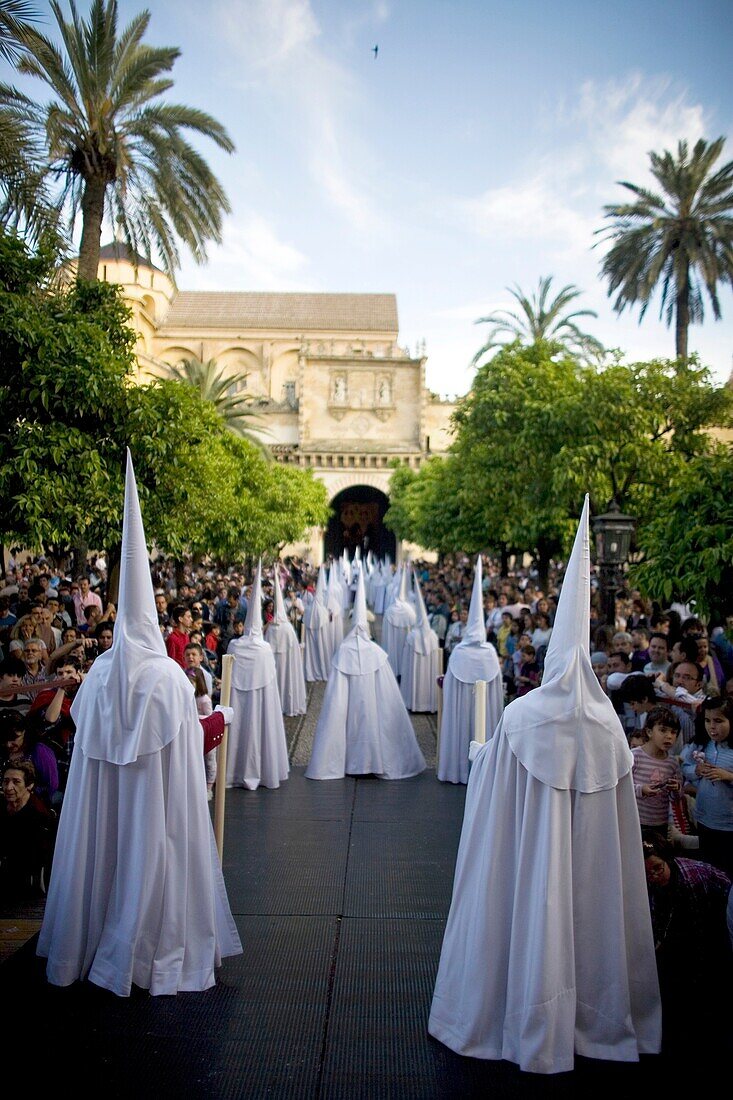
point(566, 732)
point(423, 637)
point(404, 579)
point(358, 654)
point(474, 658)
point(254, 664)
point(475, 627)
point(335, 594)
point(253, 622)
point(320, 597)
point(281, 615)
point(134, 699)
point(400, 612)
point(316, 614)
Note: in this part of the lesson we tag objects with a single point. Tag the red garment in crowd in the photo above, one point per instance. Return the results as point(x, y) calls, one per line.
point(175, 645)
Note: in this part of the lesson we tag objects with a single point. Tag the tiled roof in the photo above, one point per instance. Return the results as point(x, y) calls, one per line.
point(118, 250)
point(294, 312)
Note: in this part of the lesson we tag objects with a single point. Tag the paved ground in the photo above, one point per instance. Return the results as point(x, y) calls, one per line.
point(340, 891)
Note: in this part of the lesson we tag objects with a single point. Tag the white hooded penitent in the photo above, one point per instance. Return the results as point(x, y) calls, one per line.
point(363, 727)
point(422, 662)
point(472, 659)
point(283, 641)
point(317, 632)
point(335, 605)
point(548, 951)
point(136, 893)
point(399, 619)
point(258, 752)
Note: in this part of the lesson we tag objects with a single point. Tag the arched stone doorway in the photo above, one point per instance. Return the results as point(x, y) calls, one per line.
point(358, 520)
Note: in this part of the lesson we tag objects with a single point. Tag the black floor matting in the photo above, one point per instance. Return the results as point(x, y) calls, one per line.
point(341, 890)
point(391, 874)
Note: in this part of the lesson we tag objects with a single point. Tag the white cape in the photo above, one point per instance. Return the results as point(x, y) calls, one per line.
point(258, 752)
point(422, 664)
point(283, 641)
point(548, 948)
point(136, 891)
point(457, 727)
point(363, 727)
point(318, 640)
point(399, 619)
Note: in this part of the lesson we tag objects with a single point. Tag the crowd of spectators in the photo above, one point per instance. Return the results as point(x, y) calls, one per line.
point(668, 676)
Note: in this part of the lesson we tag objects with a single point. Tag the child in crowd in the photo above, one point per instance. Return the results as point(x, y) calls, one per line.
point(707, 762)
point(657, 776)
point(529, 670)
point(205, 707)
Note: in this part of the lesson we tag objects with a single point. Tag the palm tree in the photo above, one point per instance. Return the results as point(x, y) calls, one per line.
point(224, 393)
point(540, 321)
point(682, 237)
point(112, 144)
point(24, 197)
point(14, 26)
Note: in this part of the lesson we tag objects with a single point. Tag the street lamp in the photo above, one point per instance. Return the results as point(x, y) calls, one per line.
point(613, 531)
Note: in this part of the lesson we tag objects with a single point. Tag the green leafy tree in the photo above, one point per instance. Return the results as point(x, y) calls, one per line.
point(688, 545)
point(112, 141)
point(69, 407)
point(536, 432)
point(224, 391)
point(541, 320)
point(436, 508)
point(648, 421)
point(679, 237)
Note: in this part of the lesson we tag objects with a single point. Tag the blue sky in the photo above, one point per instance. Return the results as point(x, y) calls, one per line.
point(475, 152)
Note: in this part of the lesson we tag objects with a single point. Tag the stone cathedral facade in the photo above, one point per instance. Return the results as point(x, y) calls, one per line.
point(331, 383)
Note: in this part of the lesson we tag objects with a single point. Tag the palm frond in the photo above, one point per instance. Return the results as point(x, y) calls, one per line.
point(541, 318)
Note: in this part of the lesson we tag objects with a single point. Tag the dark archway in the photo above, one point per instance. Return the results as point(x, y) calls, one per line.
point(358, 520)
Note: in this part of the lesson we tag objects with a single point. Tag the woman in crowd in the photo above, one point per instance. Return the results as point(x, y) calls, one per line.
point(19, 742)
point(707, 763)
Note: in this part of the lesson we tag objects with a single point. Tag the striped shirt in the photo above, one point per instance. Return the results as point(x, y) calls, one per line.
point(646, 771)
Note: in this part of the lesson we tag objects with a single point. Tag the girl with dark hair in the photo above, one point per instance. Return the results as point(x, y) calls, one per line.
point(18, 741)
point(707, 763)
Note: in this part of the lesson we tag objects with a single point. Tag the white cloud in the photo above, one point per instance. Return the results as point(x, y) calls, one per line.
point(254, 258)
point(529, 210)
point(280, 46)
point(626, 120)
point(605, 135)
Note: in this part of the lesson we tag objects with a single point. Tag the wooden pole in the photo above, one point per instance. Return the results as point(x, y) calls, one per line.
point(439, 720)
point(479, 712)
point(227, 662)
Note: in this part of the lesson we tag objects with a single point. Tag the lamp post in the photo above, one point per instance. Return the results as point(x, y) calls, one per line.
point(613, 531)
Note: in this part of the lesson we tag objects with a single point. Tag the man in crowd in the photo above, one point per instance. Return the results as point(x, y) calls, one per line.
point(658, 663)
point(83, 597)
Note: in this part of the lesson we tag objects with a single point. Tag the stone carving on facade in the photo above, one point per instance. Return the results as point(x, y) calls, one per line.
point(385, 404)
point(339, 396)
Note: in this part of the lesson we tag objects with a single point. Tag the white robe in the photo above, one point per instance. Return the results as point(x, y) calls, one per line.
point(136, 892)
point(548, 949)
point(318, 642)
point(399, 619)
point(363, 727)
point(377, 589)
point(457, 727)
point(283, 641)
point(422, 663)
point(257, 751)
